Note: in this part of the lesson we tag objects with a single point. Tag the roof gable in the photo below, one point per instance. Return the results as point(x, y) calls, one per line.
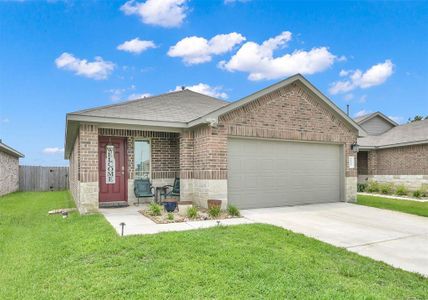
point(376, 125)
point(363, 119)
point(298, 77)
point(402, 135)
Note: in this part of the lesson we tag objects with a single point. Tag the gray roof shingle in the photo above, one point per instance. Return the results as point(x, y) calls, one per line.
point(363, 117)
point(403, 134)
point(181, 106)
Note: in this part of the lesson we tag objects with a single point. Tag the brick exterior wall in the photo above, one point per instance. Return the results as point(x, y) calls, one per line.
point(83, 172)
point(9, 173)
point(186, 154)
point(409, 160)
point(74, 171)
point(290, 113)
point(88, 153)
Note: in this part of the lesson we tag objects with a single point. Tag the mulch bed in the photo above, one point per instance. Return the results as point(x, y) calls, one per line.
point(202, 216)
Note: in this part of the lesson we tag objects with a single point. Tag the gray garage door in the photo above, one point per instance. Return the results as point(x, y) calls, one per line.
point(273, 173)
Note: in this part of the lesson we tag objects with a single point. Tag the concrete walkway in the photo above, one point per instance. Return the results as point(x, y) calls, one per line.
point(136, 223)
point(398, 239)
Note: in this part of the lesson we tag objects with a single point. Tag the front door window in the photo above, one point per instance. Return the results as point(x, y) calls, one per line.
point(142, 158)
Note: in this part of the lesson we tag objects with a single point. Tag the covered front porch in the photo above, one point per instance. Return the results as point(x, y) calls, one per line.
point(106, 161)
point(148, 154)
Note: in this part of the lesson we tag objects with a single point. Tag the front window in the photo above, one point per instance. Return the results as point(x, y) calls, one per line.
point(142, 158)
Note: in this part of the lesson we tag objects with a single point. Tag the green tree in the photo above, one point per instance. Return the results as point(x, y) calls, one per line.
point(417, 118)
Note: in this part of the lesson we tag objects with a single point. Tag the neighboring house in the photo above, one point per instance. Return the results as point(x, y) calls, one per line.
point(9, 169)
point(287, 144)
point(392, 152)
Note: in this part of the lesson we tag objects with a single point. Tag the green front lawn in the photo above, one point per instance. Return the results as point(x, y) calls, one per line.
point(407, 206)
point(47, 257)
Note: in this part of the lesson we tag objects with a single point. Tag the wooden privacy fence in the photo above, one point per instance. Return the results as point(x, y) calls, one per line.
point(41, 179)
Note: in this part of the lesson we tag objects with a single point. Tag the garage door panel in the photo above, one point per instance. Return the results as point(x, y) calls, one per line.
point(271, 173)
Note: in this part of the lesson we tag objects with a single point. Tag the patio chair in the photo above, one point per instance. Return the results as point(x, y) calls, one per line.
point(175, 189)
point(143, 188)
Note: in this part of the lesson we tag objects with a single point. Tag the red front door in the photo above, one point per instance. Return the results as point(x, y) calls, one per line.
point(112, 165)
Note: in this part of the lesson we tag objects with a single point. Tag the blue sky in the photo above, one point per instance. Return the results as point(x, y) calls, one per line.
point(62, 56)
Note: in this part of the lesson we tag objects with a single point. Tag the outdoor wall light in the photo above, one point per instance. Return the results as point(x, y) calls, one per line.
point(355, 147)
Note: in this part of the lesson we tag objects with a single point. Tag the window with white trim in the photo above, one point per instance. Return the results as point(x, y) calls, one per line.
point(142, 161)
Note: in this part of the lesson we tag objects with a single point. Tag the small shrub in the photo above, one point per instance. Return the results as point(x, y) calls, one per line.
point(424, 190)
point(192, 212)
point(233, 210)
point(214, 211)
point(155, 209)
point(417, 194)
point(373, 186)
point(170, 216)
point(386, 188)
point(401, 190)
point(361, 187)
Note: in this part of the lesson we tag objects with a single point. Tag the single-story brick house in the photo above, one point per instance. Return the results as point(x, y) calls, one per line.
point(9, 169)
point(392, 152)
point(284, 145)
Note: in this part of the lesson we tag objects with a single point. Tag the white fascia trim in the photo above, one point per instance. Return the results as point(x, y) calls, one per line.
point(111, 120)
point(379, 114)
point(5, 148)
point(404, 144)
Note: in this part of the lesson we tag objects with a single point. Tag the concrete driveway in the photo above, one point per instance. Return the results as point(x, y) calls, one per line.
point(398, 239)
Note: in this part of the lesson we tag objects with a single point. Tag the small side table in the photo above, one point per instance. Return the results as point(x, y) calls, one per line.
point(159, 190)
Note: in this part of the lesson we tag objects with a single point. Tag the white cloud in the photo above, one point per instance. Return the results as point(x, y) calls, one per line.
point(196, 50)
point(53, 150)
point(4, 120)
point(363, 99)
point(342, 58)
point(234, 1)
point(375, 75)
point(165, 13)
point(139, 96)
point(348, 97)
point(259, 62)
point(98, 69)
point(397, 119)
point(117, 95)
point(203, 88)
point(344, 73)
point(136, 46)
point(361, 113)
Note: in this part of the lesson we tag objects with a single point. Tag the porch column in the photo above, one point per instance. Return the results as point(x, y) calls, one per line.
point(186, 165)
point(210, 165)
point(88, 169)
